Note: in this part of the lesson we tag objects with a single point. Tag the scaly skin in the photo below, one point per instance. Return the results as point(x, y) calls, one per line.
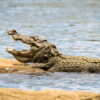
point(44, 55)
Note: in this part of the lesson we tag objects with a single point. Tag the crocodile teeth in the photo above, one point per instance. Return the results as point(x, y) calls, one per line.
point(7, 49)
point(12, 49)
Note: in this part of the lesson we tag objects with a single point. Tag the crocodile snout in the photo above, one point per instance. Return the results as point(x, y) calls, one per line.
point(12, 32)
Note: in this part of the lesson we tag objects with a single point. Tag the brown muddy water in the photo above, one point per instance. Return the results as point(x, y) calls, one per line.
point(72, 25)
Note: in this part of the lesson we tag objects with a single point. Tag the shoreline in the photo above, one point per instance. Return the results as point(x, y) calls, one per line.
point(13, 66)
point(18, 94)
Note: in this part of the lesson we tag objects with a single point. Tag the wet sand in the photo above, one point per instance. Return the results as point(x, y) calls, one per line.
point(17, 94)
point(13, 66)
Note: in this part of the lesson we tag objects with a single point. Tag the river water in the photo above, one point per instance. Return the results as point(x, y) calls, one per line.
point(72, 25)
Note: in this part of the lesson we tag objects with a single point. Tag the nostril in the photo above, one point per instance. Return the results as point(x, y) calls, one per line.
point(12, 32)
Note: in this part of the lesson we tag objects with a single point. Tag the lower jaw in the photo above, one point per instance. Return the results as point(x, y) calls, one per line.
point(23, 59)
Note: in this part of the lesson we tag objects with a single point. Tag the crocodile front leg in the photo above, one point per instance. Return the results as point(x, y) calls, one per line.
point(44, 66)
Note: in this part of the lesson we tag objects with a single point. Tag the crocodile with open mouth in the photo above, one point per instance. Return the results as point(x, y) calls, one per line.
point(45, 55)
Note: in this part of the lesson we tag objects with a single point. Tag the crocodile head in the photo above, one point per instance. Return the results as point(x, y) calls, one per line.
point(40, 50)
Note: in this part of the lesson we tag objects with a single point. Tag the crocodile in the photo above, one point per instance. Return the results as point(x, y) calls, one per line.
point(45, 55)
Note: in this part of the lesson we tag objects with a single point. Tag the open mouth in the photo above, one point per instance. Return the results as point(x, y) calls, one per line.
point(23, 55)
point(40, 50)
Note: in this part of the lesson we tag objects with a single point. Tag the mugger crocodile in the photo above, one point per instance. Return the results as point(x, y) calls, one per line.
point(45, 55)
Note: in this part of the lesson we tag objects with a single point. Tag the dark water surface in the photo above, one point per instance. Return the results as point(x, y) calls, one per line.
point(72, 25)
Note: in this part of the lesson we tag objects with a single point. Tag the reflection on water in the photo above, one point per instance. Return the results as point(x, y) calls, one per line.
point(66, 81)
point(72, 25)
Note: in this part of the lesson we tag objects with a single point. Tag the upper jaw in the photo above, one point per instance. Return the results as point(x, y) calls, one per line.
point(14, 33)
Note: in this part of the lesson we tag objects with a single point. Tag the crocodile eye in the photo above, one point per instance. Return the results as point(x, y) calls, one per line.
point(13, 30)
